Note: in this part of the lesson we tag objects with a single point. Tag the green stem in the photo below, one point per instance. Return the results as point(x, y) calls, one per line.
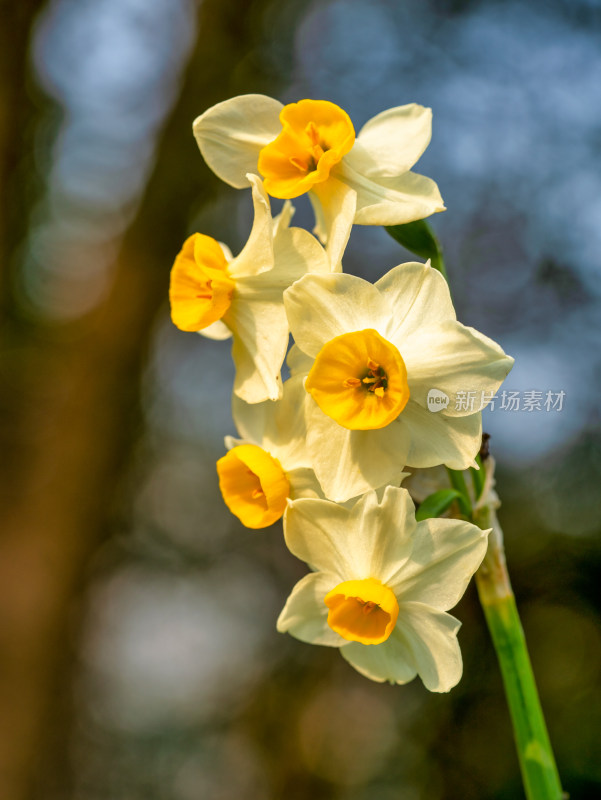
point(537, 763)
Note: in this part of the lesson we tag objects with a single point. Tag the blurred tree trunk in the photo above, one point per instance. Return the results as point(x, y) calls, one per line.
point(71, 406)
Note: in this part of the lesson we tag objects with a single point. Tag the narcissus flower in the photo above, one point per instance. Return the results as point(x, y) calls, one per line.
point(269, 463)
point(310, 146)
point(381, 586)
point(220, 296)
point(371, 354)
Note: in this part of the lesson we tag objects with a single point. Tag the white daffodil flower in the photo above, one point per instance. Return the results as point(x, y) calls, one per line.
point(381, 586)
point(221, 297)
point(371, 354)
point(269, 464)
point(310, 146)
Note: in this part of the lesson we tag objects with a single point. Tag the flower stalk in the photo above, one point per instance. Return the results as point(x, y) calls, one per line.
point(537, 762)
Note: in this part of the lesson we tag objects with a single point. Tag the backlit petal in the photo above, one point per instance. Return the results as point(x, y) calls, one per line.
point(390, 661)
point(417, 296)
point(445, 555)
point(348, 463)
point(390, 201)
point(320, 307)
point(439, 439)
point(260, 331)
point(453, 358)
point(353, 542)
point(334, 204)
point(392, 141)
point(431, 637)
point(230, 135)
point(305, 614)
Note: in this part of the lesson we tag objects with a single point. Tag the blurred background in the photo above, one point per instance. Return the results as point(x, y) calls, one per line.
point(138, 650)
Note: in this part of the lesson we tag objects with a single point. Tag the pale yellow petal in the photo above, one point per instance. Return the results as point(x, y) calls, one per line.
point(392, 141)
point(231, 134)
point(390, 661)
point(445, 555)
point(431, 636)
point(337, 206)
point(439, 439)
point(391, 201)
point(453, 358)
point(305, 614)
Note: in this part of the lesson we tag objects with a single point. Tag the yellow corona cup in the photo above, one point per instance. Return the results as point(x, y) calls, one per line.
point(315, 135)
point(363, 611)
point(254, 485)
point(201, 287)
point(360, 380)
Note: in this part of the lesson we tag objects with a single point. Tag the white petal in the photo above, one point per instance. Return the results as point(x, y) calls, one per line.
point(453, 358)
point(251, 418)
point(257, 254)
point(284, 218)
point(320, 228)
point(391, 142)
point(390, 661)
point(278, 427)
point(286, 429)
point(382, 531)
point(230, 135)
point(316, 532)
point(260, 342)
point(370, 539)
point(431, 636)
point(423, 482)
point(299, 363)
point(303, 483)
point(218, 331)
point(335, 218)
point(417, 295)
point(275, 255)
point(390, 201)
point(305, 614)
point(320, 307)
point(446, 553)
point(439, 439)
point(296, 252)
point(348, 463)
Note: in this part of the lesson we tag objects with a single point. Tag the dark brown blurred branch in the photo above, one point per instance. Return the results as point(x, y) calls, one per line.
point(73, 404)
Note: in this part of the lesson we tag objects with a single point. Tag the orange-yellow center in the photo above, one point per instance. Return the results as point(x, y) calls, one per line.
point(363, 611)
point(253, 484)
point(315, 135)
point(359, 379)
point(201, 287)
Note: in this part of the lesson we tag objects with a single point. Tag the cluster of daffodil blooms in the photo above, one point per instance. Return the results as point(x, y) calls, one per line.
point(326, 450)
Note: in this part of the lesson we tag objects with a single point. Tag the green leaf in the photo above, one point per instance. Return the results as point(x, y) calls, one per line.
point(436, 504)
point(458, 483)
point(418, 237)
